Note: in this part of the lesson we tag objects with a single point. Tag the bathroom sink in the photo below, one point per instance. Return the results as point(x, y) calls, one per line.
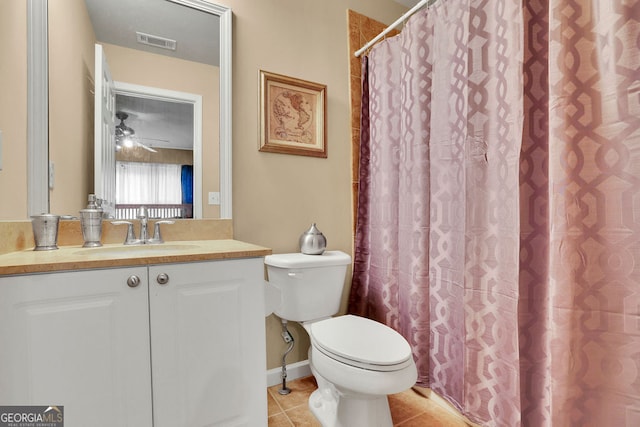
point(137, 250)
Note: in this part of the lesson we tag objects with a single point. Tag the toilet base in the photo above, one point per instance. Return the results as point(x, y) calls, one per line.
point(333, 409)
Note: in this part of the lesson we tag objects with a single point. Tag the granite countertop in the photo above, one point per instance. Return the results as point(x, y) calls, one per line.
point(75, 257)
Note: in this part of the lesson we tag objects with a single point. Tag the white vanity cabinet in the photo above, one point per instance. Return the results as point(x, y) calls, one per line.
point(181, 345)
point(208, 344)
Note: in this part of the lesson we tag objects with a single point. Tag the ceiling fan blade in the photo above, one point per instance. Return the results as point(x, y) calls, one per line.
point(146, 147)
point(155, 139)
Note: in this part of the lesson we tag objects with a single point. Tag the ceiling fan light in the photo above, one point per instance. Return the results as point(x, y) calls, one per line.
point(123, 130)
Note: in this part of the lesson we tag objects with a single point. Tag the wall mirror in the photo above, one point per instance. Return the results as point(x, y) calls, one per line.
point(129, 31)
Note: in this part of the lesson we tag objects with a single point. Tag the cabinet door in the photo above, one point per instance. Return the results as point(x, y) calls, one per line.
point(79, 340)
point(208, 344)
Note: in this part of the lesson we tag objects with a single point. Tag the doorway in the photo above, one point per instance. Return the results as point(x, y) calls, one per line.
point(167, 141)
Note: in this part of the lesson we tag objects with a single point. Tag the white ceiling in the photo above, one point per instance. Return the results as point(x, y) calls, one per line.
point(196, 32)
point(157, 123)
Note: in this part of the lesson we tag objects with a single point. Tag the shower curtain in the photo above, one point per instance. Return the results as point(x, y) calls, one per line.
point(498, 222)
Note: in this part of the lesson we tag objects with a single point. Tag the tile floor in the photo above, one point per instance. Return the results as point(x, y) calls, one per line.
point(408, 409)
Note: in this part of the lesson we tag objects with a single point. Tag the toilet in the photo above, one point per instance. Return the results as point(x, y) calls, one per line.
point(356, 361)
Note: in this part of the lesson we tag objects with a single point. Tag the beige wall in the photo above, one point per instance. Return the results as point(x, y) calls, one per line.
point(71, 52)
point(13, 109)
point(162, 155)
point(276, 196)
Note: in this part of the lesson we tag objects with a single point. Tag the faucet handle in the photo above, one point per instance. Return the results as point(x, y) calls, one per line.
point(131, 237)
point(157, 237)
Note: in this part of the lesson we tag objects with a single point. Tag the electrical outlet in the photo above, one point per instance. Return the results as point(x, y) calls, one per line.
point(214, 198)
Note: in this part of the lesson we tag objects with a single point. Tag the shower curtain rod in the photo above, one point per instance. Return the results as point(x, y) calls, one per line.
point(399, 21)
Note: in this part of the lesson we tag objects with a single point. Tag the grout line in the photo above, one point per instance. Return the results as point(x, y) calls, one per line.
point(404, 422)
point(419, 409)
point(276, 400)
point(283, 411)
point(289, 419)
point(272, 392)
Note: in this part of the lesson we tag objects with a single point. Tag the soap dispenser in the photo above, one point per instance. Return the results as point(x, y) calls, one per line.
point(91, 223)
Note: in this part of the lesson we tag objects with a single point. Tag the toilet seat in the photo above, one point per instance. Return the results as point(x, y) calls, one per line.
point(362, 343)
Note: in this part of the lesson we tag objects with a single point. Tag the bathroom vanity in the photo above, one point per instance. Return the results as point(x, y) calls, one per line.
point(136, 336)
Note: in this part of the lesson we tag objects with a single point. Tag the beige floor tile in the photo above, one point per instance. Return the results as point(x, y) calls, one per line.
point(301, 389)
point(272, 406)
point(408, 409)
point(301, 416)
point(432, 419)
point(279, 420)
point(407, 405)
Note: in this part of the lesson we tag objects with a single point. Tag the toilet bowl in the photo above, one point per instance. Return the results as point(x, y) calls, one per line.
point(356, 361)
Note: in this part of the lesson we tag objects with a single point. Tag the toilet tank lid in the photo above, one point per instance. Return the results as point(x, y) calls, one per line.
point(300, 260)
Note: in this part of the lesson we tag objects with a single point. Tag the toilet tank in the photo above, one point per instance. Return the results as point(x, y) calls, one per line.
point(310, 285)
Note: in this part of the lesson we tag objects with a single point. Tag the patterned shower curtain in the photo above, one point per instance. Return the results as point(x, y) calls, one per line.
point(498, 223)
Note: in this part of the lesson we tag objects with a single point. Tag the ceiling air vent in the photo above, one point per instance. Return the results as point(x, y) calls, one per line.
point(156, 41)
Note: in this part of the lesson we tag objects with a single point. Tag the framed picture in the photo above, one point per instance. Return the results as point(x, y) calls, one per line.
point(292, 116)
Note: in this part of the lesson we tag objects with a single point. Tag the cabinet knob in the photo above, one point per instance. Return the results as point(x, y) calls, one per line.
point(133, 281)
point(163, 278)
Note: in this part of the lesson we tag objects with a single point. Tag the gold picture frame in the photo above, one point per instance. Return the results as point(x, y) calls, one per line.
point(292, 116)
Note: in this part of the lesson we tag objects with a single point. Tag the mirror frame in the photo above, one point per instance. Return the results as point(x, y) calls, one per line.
point(38, 104)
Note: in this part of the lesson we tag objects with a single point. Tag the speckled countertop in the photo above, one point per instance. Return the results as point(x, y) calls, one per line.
point(191, 241)
point(118, 255)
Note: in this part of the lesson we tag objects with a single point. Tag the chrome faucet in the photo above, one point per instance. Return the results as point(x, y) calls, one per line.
point(144, 232)
point(142, 216)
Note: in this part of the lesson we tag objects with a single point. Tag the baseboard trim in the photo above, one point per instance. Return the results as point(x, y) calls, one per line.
point(294, 371)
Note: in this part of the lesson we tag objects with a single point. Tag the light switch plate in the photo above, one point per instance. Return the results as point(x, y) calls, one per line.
point(0, 150)
point(214, 198)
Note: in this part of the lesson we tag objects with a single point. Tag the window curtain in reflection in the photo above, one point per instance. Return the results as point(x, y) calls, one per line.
point(498, 211)
point(148, 183)
point(186, 177)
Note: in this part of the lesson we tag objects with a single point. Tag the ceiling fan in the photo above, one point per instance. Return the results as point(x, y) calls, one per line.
point(126, 136)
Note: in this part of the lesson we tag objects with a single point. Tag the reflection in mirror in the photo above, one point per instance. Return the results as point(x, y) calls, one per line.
point(157, 141)
point(71, 80)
